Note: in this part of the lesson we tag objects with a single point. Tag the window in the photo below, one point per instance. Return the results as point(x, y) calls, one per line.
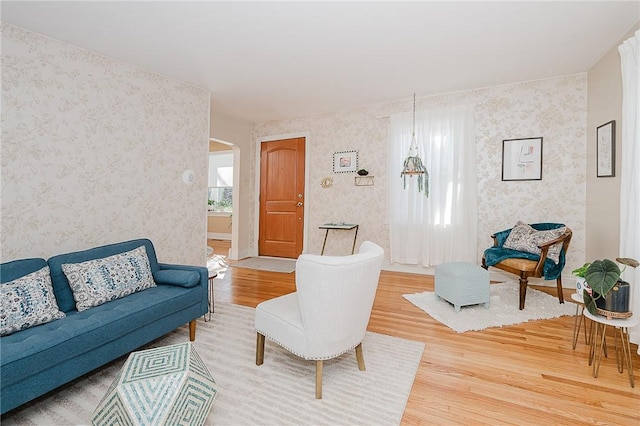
point(221, 181)
point(443, 227)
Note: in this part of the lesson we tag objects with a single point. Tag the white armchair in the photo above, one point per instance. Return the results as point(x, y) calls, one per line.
point(329, 313)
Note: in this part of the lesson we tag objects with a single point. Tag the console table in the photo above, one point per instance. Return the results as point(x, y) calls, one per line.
point(339, 227)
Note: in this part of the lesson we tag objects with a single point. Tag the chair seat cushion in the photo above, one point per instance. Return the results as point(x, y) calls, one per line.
point(520, 264)
point(495, 255)
point(279, 319)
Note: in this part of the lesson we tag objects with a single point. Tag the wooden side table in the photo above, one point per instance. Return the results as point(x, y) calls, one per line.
point(621, 326)
point(340, 226)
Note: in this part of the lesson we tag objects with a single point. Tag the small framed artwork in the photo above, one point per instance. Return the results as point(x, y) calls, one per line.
point(522, 159)
point(345, 161)
point(606, 149)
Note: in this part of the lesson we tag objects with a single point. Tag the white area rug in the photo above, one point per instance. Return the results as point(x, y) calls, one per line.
point(273, 264)
point(279, 392)
point(503, 308)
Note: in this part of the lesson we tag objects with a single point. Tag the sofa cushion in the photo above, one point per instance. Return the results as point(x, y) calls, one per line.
point(33, 351)
point(27, 301)
point(98, 281)
point(524, 237)
point(15, 269)
point(177, 277)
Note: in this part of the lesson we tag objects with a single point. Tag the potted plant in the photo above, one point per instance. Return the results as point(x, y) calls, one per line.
point(609, 294)
point(580, 280)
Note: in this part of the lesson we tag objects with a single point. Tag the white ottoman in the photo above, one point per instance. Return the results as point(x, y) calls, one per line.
point(462, 284)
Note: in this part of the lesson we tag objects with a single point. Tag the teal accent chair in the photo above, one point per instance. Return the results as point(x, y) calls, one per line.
point(528, 265)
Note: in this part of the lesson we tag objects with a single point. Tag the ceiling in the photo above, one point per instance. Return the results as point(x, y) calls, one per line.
point(270, 60)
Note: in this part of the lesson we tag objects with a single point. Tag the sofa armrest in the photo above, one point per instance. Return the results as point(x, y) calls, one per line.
point(203, 283)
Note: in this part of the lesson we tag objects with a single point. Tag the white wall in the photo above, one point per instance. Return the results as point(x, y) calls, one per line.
point(553, 108)
point(93, 152)
point(603, 194)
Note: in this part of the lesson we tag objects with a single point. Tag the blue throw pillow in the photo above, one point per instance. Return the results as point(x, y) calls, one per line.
point(177, 277)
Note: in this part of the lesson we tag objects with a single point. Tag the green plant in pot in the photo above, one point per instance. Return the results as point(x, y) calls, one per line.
point(608, 292)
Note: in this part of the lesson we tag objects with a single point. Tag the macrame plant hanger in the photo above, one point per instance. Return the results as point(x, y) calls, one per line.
point(413, 165)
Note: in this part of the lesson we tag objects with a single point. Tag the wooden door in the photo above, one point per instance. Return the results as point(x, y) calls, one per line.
point(281, 198)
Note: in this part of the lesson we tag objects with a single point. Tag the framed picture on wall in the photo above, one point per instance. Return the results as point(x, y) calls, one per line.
point(522, 159)
point(345, 161)
point(606, 149)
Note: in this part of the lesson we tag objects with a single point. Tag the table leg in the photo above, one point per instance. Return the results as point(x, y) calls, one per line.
point(211, 301)
point(618, 332)
point(325, 242)
point(626, 351)
point(353, 249)
point(577, 321)
point(592, 346)
point(598, 360)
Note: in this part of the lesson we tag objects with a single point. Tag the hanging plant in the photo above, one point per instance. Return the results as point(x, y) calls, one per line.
point(413, 166)
point(413, 163)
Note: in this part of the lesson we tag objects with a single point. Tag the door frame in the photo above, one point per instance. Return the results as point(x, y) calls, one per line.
point(235, 225)
point(256, 187)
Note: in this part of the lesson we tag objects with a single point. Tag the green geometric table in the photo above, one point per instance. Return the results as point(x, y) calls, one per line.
point(169, 385)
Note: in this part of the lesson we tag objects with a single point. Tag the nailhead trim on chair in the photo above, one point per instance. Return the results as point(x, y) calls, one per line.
point(301, 356)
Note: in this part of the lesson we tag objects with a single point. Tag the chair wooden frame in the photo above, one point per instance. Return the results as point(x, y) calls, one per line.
point(526, 268)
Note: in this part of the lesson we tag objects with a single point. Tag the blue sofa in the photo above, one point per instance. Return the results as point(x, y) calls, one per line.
point(39, 359)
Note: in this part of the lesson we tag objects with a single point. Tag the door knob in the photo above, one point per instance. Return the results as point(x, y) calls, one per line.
point(299, 204)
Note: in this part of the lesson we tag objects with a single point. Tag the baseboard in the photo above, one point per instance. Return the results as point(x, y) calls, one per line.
point(409, 269)
point(218, 236)
point(239, 254)
point(568, 280)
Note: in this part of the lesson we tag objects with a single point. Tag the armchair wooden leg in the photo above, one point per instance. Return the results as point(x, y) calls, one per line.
point(259, 349)
point(523, 291)
point(192, 330)
point(560, 294)
point(360, 357)
point(319, 379)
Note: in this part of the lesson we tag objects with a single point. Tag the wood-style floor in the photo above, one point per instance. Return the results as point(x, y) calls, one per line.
point(527, 374)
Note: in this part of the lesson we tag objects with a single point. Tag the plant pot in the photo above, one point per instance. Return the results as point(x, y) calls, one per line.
point(581, 285)
point(617, 300)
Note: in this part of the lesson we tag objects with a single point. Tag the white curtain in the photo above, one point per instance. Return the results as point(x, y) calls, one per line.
point(630, 170)
point(442, 228)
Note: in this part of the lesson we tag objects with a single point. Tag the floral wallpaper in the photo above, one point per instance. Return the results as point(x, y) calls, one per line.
point(554, 109)
point(94, 151)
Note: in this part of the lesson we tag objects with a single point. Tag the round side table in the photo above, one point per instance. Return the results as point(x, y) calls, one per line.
point(621, 326)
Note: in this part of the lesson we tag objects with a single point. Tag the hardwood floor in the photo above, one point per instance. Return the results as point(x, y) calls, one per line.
point(523, 374)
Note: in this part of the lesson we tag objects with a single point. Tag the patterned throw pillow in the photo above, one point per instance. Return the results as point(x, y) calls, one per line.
point(525, 238)
point(28, 301)
point(98, 281)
